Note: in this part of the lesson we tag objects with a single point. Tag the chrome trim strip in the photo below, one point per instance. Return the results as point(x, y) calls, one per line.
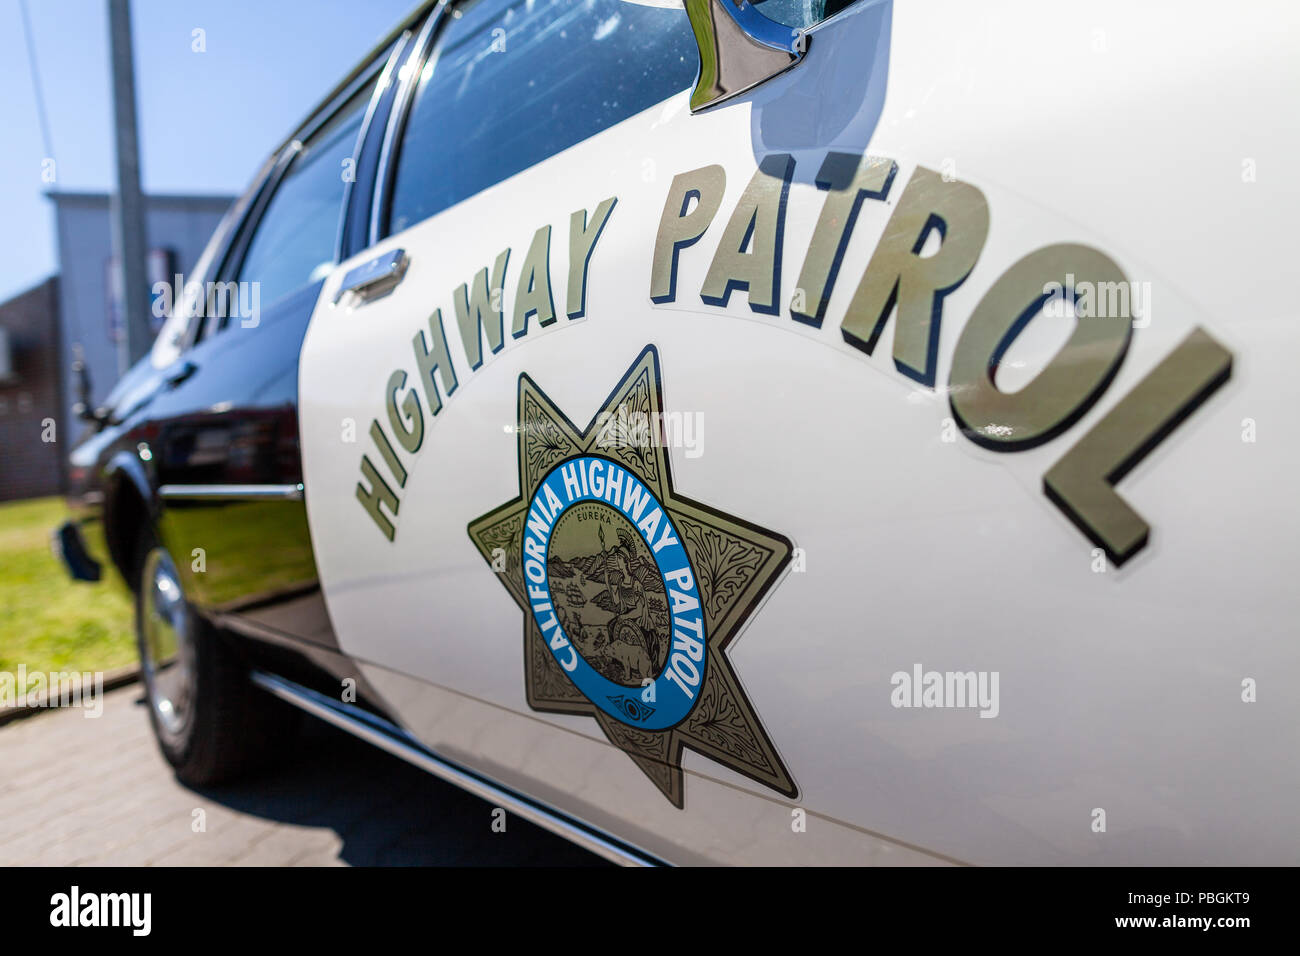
point(233, 258)
point(214, 254)
point(387, 736)
point(235, 492)
point(397, 115)
point(386, 77)
point(334, 106)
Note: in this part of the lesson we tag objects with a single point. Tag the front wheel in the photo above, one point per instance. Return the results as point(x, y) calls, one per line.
point(211, 723)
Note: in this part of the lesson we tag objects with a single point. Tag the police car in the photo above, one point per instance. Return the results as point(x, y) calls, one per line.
point(784, 431)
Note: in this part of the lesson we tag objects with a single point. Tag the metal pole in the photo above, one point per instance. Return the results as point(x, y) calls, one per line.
point(128, 202)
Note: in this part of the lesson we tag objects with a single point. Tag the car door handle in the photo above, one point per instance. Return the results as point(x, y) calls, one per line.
point(375, 277)
point(175, 376)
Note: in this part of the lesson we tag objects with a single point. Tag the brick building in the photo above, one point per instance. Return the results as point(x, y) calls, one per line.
point(31, 394)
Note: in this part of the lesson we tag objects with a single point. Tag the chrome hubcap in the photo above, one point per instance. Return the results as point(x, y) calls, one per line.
point(167, 646)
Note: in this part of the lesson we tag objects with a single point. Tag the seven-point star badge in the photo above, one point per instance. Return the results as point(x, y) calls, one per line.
point(630, 592)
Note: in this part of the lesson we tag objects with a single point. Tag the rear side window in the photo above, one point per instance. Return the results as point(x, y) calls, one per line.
point(293, 245)
point(512, 82)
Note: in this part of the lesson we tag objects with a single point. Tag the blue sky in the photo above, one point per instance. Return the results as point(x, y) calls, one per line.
point(206, 119)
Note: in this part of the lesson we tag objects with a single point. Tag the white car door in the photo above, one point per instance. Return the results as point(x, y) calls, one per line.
point(848, 471)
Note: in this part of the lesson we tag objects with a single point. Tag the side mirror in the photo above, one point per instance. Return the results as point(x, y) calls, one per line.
point(83, 408)
point(739, 49)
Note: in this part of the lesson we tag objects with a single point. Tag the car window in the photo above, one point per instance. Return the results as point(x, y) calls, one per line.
point(295, 238)
point(512, 82)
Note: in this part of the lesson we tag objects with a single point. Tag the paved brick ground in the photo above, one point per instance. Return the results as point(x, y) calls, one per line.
point(77, 791)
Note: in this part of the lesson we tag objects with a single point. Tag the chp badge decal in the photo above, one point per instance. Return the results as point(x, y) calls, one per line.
point(631, 593)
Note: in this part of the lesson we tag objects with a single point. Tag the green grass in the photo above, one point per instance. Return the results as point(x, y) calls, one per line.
point(49, 622)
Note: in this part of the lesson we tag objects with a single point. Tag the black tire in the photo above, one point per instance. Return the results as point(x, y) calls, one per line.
point(229, 724)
